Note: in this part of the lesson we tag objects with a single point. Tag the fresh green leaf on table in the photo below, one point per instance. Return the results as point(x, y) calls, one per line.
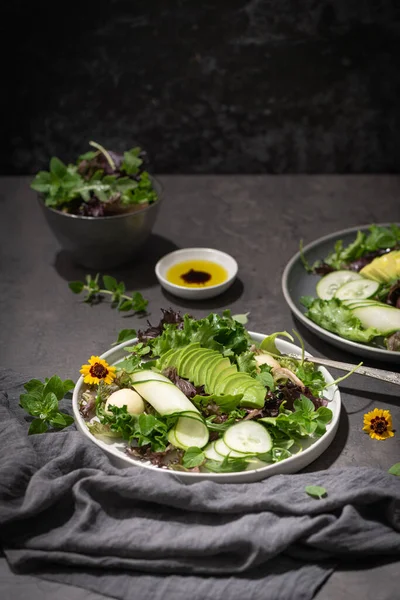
point(395, 469)
point(111, 288)
point(315, 491)
point(41, 401)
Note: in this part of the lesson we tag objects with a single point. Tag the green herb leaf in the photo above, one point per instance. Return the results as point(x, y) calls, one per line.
point(111, 288)
point(50, 403)
point(324, 414)
point(32, 403)
point(88, 155)
point(315, 491)
point(228, 465)
point(227, 403)
point(56, 386)
point(130, 364)
point(125, 335)
point(266, 378)
point(144, 429)
point(132, 162)
point(139, 304)
point(125, 305)
point(57, 168)
point(38, 426)
point(193, 457)
point(68, 384)
point(110, 283)
point(395, 469)
point(268, 343)
point(61, 420)
point(42, 401)
point(304, 405)
point(34, 384)
point(246, 362)
point(241, 318)
point(76, 286)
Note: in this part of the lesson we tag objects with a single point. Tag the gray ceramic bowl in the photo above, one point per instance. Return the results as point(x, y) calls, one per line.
point(103, 242)
point(296, 282)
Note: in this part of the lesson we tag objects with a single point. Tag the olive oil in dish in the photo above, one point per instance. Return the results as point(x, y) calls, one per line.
point(196, 274)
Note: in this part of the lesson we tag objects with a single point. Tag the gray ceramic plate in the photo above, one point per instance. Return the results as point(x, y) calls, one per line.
point(296, 282)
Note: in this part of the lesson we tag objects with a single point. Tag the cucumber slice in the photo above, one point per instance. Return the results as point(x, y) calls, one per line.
point(248, 436)
point(162, 394)
point(365, 302)
point(172, 438)
point(328, 285)
point(190, 432)
point(357, 290)
point(362, 304)
point(223, 450)
point(148, 375)
point(386, 319)
point(189, 414)
point(211, 454)
point(256, 463)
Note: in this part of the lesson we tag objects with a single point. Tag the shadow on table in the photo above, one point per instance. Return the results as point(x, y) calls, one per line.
point(330, 455)
point(371, 398)
point(231, 295)
point(137, 274)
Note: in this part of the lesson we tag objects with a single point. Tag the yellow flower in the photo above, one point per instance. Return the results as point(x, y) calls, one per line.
point(378, 424)
point(97, 370)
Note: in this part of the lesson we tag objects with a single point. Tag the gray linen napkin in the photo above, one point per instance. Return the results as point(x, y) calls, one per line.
point(67, 514)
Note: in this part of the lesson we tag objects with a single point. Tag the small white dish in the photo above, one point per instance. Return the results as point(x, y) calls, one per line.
point(187, 254)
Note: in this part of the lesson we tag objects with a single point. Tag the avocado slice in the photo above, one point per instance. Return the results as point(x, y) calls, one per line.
point(254, 396)
point(219, 377)
point(215, 366)
point(194, 359)
point(187, 352)
point(384, 269)
point(234, 384)
point(170, 358)
point(200, 366)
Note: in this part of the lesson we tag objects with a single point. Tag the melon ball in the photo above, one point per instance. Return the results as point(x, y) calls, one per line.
point(126, 397)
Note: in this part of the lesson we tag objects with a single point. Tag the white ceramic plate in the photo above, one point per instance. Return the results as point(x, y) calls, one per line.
point(116, 450)
point(187, 254)
point(296, 282)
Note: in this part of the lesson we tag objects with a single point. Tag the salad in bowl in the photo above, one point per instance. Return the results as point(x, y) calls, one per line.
point(206, 396)
point(358, 294)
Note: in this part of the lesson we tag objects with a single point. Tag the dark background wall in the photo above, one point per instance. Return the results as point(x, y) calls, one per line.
point(223, 86)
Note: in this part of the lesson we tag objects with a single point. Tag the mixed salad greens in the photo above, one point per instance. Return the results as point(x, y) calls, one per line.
point(359, 293)
point(199, 395)
point(101, 183)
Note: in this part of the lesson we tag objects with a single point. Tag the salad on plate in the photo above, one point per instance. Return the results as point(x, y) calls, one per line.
point(358, 295)
point(200, 395)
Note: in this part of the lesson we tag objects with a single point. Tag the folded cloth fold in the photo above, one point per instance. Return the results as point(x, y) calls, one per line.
point(65, 510)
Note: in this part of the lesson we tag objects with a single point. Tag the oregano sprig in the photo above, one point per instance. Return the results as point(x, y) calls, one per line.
point(110, 287)
point(41, 401)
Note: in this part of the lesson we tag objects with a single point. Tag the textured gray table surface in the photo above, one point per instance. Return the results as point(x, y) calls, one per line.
point(45, 329)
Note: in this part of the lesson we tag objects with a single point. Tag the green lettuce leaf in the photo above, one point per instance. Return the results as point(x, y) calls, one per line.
point(337, 318)
point(221, 333)
point(227, 403)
